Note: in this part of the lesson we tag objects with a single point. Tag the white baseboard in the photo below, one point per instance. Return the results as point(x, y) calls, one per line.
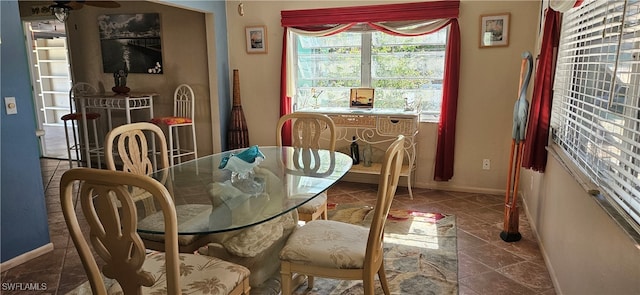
point(445, 186)
point(369, 178)
point(545, 256)
point(20, 259)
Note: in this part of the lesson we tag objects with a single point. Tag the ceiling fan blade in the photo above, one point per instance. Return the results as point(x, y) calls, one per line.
point(101, 4)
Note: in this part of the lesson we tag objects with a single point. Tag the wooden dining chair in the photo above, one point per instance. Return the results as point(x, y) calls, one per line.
point(350, 252)
point(306, 132)
point(127, 147)
point(114, 239)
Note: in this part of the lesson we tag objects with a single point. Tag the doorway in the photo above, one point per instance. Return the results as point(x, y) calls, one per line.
point(51, 81)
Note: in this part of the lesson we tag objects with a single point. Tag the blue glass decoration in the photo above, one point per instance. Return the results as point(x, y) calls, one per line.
point(241, 166)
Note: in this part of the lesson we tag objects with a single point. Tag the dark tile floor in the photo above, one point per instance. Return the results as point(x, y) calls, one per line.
point(486, 264)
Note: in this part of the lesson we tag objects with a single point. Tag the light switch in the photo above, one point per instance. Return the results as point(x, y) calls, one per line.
point(10, 105)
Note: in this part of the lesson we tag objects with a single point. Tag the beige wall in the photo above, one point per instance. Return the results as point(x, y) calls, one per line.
point(488, 81)
point(488, 86)
point(585, 250)
point(184, 54)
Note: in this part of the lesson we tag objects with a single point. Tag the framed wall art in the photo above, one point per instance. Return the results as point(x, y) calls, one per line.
point(256, 39)
point(494, 30)
point(131, 42)
point(361, 98)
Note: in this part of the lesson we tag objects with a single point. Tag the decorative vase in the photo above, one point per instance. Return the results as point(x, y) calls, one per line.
point(238, 133)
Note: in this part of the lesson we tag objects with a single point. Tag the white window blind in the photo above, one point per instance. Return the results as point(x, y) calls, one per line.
point(596, 103)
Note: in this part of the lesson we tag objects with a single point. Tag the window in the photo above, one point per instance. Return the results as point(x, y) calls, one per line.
point(398, 68)
point(596, 102)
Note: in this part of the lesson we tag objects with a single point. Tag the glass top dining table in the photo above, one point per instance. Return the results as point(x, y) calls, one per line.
point(210, 199)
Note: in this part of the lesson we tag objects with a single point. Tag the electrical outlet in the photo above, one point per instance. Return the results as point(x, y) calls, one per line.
point(486, 164)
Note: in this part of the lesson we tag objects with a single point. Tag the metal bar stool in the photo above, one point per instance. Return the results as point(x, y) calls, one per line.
point(183, 116)
point(73, 117)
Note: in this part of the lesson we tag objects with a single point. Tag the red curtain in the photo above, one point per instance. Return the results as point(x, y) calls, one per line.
point(285, 100)
point(535, 152)
point(447, 126)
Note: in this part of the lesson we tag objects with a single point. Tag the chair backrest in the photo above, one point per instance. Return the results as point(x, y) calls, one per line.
point(133, 148)
point(387, 184)
point(113, 228)
point(78, 89)
point(306, 130)
point(183, 99)
point(306, 161)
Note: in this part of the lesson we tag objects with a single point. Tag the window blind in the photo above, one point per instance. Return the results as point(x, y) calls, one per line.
point(596, 102)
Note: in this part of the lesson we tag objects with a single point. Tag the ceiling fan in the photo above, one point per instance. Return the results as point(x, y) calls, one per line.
point(61, 9)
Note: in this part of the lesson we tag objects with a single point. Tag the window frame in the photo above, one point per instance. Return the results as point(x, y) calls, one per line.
point(366, 46)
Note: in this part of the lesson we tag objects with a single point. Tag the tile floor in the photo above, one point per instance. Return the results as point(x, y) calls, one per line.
point(486, 264)
point(54, 144)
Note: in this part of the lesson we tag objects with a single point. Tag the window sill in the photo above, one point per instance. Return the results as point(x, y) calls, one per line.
point(628, 225)
point(432, 121)
point(429, 118)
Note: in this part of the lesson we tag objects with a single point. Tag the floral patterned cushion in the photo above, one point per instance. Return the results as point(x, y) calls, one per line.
point(327, 243)
point(171, 120)
point(255, 239)
point(199, 274)
point(313, 205)
point(191, 217)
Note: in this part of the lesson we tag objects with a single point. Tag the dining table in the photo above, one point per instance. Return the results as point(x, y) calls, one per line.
point(127, 102)
point(216, 198)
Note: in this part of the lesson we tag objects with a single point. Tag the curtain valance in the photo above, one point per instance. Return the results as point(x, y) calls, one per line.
point(371, 13)
point(564, 5)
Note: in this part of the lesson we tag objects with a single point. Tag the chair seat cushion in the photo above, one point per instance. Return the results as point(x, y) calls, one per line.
point(171, 120)
point(327, 243)
point(78, 116)
point(199, 274)
point(255, 239)
point(313, 205)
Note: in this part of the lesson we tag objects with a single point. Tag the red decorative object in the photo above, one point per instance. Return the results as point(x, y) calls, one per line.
point(535, 149)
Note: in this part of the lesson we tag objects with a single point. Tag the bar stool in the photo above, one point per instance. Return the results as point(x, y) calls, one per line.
point(183, 116)
point(73, 117)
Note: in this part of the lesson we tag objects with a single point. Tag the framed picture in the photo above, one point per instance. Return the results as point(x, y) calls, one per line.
point(361, 98)
point(256, 38)
point(494, 30)
point(131, 42)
